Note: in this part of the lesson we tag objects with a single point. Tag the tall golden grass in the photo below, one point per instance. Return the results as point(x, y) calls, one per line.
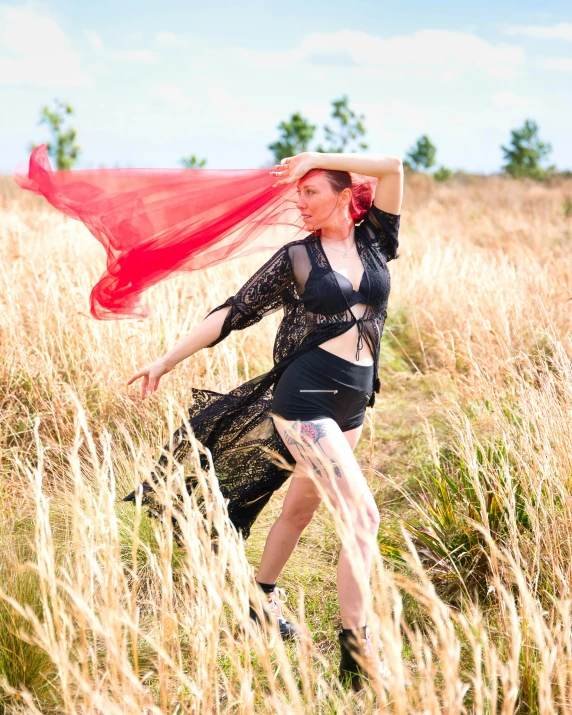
point(467, 452)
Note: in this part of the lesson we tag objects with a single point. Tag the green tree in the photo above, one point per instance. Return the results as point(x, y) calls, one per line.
point(422, 155)
point(347, 136)
point(442, 174)
point(192, 162)
point(63, 149)
point(526, 152)
point(297, 133)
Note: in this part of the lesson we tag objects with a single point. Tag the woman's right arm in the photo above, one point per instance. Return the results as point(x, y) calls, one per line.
point(200, 337)
point(261, 295)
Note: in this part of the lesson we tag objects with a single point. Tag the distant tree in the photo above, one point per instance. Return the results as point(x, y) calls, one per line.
point(192, 162)
point(421, 156)
point(346, 136)
point(526, 152)
point(297, 133)
point(63, 149)
point(442, 174)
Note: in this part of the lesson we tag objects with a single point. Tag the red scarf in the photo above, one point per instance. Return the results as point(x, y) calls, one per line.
point(154, 223)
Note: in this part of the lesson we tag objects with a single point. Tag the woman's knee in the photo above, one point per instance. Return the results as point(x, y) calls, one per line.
point(298, 516)
point(366, 515)
point(373, 517)
point(302, 498)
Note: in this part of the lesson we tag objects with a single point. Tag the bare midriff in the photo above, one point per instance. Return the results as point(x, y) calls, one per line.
point(345, 345)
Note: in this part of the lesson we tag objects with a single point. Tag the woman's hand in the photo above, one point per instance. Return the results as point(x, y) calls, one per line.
point(292, 168)
point(151, 375)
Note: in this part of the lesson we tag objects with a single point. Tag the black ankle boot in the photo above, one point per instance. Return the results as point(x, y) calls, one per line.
point(360, 642)
point(350, 672)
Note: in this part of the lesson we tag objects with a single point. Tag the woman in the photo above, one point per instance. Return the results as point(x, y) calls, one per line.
point(333, 286)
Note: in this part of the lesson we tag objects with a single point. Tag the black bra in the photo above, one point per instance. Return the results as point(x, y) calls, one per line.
point(353, 296)
point(327, 292)
point(322, 295)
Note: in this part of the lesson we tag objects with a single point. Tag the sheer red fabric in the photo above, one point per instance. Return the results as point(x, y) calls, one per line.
point(155, 223)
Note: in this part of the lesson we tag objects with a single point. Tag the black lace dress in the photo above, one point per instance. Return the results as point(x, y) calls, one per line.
point(236, 427)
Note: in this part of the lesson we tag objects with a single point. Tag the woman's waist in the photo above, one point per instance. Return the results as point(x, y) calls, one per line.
point(353, 341)
point(344, 347)
point(356, 342)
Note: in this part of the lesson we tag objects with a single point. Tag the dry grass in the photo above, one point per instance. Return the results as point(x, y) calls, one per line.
point(467, 452)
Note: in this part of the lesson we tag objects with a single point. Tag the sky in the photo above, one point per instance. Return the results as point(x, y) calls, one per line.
point(152, 82)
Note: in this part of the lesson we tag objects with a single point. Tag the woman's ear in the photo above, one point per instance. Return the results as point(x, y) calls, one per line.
point(346, 197)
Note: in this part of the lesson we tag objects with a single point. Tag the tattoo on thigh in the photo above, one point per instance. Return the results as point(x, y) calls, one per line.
point(310, 434)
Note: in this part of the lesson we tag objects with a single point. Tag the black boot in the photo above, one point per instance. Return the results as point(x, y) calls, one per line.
point(289, 631)
point(350, 672)
point(354, 643)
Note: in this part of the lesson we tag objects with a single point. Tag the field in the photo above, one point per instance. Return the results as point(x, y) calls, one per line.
point(467, 452)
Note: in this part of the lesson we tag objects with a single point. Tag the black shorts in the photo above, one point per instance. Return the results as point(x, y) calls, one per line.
point(319, 384)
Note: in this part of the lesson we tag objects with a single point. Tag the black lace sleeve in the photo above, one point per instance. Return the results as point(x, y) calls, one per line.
point(262, 294)
point(382, 229)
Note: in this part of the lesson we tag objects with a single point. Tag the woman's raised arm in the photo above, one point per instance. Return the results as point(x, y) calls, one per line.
point(387, 169)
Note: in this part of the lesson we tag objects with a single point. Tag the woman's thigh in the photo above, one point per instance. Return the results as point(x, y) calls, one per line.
point(325, 461)
point(303, 497)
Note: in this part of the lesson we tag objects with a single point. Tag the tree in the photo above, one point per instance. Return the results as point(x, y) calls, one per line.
point(351, 128)
point(442, 174)
point(422, 155)
point(191, 162)
point(526, 152)
point(297, 133)
point(63, 150)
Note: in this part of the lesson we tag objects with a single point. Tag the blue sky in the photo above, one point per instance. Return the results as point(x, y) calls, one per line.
point(152, 82)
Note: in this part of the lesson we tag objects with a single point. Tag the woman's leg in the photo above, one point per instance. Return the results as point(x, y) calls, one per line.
point(300, 503)
point(319, 447)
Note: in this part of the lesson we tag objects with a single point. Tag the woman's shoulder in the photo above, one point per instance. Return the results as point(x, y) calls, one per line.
point(299, 244)
point(301, 241)
point(379, 218)
point(380, 229)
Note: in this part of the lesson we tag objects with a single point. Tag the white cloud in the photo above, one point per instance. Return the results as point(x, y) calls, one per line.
point(438, 54)
point(165, 39)
point(171, 39)
point(505, 99)
point(144, 57)
point(559, 64)
point(107, 54)
point(172, 94)
point(562, 31)
point(94, 40)
point(134, 36)
point(227, 104)
point(35, 50)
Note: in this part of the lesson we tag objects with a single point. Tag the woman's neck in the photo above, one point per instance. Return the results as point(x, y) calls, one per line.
point(339, 236)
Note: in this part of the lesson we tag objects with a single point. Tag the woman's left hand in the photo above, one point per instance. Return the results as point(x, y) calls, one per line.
point(292, 168)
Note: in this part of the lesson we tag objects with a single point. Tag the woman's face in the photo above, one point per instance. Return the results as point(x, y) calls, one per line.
point(317, 201)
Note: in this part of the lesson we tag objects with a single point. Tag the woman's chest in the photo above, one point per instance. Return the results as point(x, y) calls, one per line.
point(329, 286)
